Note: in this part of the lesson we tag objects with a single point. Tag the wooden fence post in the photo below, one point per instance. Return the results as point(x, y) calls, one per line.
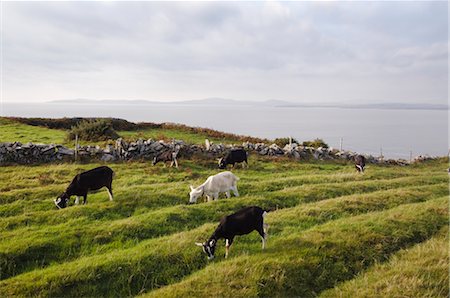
point(76, 147)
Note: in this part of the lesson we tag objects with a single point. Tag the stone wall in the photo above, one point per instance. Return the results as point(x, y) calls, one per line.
point(17, 153)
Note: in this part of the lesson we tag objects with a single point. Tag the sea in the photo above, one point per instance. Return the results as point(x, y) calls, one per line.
point(392, 133)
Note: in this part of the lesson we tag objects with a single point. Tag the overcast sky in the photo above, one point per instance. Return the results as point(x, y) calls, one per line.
point(296, 51)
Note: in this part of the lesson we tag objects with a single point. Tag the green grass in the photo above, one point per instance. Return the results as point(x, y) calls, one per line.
point(332, 231)
point(420, 271)
point(304, 264)
point(169, 134)
point(11, 131)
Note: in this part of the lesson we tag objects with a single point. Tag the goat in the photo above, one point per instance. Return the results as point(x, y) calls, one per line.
point(360, 163)
point(242, 222)
point(82, 183)
point(232, 157)
point(222, 182)
point(170, 155)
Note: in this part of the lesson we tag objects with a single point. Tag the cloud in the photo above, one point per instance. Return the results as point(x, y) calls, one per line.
point(248, 50)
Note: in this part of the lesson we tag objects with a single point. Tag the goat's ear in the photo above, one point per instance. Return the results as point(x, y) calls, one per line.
point(198, 244)
point(192, 188)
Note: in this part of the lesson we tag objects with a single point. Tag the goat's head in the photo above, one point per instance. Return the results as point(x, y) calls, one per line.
point(222, 163)
point(62, 200)
point(360, 168)
point(209, 248)
point(194, 194)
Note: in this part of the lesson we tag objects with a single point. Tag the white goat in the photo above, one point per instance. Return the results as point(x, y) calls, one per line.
point(222, 182)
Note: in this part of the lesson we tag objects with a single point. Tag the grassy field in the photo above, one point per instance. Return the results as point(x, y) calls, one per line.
point(333, 232)
point(14, 131)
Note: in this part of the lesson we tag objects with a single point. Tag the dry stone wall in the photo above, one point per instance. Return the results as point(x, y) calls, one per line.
point(18, 153)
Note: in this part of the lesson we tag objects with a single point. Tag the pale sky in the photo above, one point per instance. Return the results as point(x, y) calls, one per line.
point(296, 51)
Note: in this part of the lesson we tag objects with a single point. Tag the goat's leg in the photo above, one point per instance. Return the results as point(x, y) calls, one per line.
point(110, 193)
point(227, 193)
point(228, 243)
point(235, 191)
point(263, 236)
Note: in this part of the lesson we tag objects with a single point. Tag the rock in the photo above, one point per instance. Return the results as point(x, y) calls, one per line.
point(264, 151)
point(65, 151)
point(156, 146)
point(108, 157)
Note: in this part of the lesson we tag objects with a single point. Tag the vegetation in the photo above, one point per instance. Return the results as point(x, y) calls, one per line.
point(333, 232)
point(421, 271)
point(315, 143)
point(12, 131)
point(129, 130)
point(281, 142)
point(68, 123)
point(93, 130)
point(304, 264)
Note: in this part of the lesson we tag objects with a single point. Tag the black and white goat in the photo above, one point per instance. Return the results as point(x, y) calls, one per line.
point(360, 163)
point(244, 221)
point(166, 156)
point(233, 157)
point(82, 183)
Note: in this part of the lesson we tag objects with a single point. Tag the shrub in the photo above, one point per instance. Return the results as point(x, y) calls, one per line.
point(281, 142)
point(316, 143)
point(68, 123)
point(93, 130)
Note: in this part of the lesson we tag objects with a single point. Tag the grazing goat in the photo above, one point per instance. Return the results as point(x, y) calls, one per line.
point(232, 157)
point(170, 155)
point(243, 222)
point(360, 163)
point(222, 182)
point(82, 183)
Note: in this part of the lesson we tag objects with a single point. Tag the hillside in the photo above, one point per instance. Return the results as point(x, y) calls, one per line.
point(332, 231)
point(46, 130)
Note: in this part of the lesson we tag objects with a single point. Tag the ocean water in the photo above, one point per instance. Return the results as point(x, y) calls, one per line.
point(398, 133)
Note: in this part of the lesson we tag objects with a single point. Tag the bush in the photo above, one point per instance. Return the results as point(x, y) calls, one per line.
point(93, 130)
point(281, 142)
point(68, 123)
point(316, 143)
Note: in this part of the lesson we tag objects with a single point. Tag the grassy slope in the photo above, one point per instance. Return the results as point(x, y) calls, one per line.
point(421, 271)
point(12, 131)
point(331, 224)
point(169, 134)
point(303, 264)
point(33, 238)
